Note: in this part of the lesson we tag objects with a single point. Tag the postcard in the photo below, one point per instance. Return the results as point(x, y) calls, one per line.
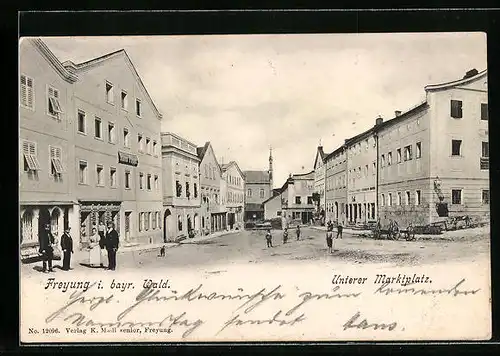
point(292, 187)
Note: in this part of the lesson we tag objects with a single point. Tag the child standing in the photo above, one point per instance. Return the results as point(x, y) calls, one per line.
point(269, 239)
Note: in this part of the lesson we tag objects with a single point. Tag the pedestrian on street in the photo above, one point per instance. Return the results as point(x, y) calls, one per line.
point(94, 249)
point(329, 238)
point(339, 230)
point(269, 238)
point(285, 235)
point(46, 241)
point(67, 248)
point(298, 232)
point(112, 242)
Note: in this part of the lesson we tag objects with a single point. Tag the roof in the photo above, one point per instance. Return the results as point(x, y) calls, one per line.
point(468, 78)
point(423, 105)
point(66, 74)
point(202, 150)
point(304, 175)
point(276, 193)
point(95, 61)
point(334, 152)
point(226, 166)
point(256, 177)
point(319, 154)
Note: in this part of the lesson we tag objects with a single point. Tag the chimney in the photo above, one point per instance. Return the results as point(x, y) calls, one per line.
point(379, 120)
point(397, 113)
point(470, 73)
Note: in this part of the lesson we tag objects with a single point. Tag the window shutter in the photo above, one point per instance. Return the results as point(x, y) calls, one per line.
point(24, 91)
point(26, 147)
point(51, 92)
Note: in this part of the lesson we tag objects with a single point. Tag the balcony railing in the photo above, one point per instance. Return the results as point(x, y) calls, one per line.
point(484, 162)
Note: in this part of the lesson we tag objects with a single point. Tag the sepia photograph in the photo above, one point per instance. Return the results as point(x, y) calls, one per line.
point(248, 188)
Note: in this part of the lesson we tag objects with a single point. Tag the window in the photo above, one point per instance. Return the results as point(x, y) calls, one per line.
point(155, 152)
point(53, 104)
point(309, 200)
point(27, 92)
point(141, 217)
point(148, 145)
point(188, 193)
point(179, 222)
point(297, 200)
point(456, 196)
point(418, 152)
point(82, 127)
point(178, 188)
point(98, 128)
point(398, 152)
point(399, 198)
point(140, 143)
point(408, 153)
point(484, 111)
point(455, 147)
point(485, 151)
point(407, 198)
point(262, 193)
point(124, 100)
point(389, 197)
point(417, 197)
point(366, 144)
point(147, 218)
point(126, 141)
point(153, 220)
point(111, 132)
point(366, 170)
point(249, 192)
point(138, 109)
point(127, 179)
point(110, 95)
point(485, 196)
point(382, 200)
point(82, 178)
point(456, 109)
point(141, 180)
point(56, 167)
point(389, 158)
point(30, 157)
point(112, 177)
point(195, 189)
point(99, 178)
point(157, 186)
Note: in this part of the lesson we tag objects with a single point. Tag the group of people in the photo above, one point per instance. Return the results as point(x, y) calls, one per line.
point(99, 242)
point(269, 237)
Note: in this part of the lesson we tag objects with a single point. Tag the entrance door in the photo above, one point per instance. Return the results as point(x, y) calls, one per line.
point(43, 219)
point(166, 225)
point(127, 225)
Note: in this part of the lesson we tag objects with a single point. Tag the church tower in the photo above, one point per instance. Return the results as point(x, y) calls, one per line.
point(271, 169)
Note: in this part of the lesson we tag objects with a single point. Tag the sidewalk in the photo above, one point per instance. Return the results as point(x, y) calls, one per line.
point(208, 237)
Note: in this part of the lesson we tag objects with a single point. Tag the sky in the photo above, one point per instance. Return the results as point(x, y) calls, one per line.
point(247, 93)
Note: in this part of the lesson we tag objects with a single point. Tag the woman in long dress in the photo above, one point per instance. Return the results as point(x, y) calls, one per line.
point(94, 249)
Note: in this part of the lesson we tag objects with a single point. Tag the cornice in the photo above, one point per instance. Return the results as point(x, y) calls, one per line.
point(52, 59)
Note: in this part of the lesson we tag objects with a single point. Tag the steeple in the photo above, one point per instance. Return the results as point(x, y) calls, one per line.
point(271, 167)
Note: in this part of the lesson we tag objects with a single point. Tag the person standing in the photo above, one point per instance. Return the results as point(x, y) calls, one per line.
point(112, 242)
point(285, 235)
point(329, 238)
point(339, 230)
point(95, 249)
point(46, 241)
point(101, 228)
point(298, 232)
point(269, 239)
point(67, 248)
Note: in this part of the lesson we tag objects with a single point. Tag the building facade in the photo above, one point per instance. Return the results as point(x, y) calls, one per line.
point(213, 209)
point(46, 152)
point(319, 178)
point(235, 194)
point(117, 149)
point(361, 168)
point(336, 185)
point(297, 202)
point(440, 163)
point(259, 187)
point(181, 188)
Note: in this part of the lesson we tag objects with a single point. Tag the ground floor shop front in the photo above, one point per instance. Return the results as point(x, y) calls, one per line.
point(361, 207)
point(297, 216)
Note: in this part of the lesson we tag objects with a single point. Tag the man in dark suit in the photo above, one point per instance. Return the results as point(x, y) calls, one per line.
point(112, 242)
point(67, 248)
point(46, 241)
